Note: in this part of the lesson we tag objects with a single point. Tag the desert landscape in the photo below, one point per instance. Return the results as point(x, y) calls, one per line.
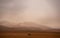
point(27, 30)
point(29, 18)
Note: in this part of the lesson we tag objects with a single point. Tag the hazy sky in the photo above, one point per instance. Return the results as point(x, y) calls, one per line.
point(44, 12)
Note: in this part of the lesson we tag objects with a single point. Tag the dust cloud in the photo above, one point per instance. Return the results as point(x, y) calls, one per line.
point(43, 12)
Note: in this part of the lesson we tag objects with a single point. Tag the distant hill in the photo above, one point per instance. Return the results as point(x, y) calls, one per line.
point(28, 27)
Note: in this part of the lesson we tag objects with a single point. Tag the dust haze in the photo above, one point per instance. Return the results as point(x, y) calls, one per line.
point(43, 12)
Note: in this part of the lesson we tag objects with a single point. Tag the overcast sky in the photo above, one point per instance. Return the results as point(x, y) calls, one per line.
point(43, 12)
